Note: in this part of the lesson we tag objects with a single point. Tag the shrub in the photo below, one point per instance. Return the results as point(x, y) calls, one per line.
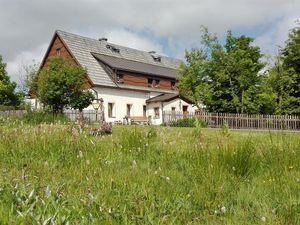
point(188, 122)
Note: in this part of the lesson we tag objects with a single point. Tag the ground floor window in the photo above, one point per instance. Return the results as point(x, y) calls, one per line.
point(128, 109)
point(111, 110)
point(156, 112)
point(144, 110)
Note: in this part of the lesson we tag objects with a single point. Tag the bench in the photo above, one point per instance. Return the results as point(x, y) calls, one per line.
point(139, 120)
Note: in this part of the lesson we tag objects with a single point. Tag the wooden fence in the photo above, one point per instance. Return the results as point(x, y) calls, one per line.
point(89, 115)
point(239, 121)
point(73, 115)
point(12, 113)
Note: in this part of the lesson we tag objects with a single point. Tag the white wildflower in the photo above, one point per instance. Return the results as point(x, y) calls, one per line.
point(88, 162)
point(223, 209)
point(134, 164)
point(168, 179)
point(233, 168)
point(263, 219)
point(80, 154)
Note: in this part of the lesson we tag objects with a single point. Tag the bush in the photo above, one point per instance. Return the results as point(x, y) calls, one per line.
point(188, 122)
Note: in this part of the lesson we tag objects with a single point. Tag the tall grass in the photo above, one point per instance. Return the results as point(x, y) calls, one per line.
point(148, 175)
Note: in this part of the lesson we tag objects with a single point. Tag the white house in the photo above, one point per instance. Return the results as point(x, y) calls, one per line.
point(132, 83)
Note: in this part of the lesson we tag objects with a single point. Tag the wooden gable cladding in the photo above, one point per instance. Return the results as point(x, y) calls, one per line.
point(135, 80)
point(58, 48)
point(141, 80)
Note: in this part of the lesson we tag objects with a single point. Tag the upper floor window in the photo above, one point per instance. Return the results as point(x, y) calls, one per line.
point(173, 85)
point(154, 83)
point(120, 78)
point(58, 51)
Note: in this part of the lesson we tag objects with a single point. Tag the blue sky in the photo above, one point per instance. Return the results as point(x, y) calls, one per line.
point(166, 26)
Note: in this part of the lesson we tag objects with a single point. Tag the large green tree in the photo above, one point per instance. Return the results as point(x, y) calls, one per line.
point(224, 77)
point(8, 95)
point(59, 85)
point(291, 61)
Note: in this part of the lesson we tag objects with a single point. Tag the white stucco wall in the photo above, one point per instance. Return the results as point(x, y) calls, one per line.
point(167, 106)
point(121, 98)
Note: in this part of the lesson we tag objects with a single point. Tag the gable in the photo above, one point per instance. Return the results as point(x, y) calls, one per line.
point(55, 45)
point(58, 46)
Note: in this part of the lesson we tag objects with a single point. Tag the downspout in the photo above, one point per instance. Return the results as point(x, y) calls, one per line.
point(162, 112)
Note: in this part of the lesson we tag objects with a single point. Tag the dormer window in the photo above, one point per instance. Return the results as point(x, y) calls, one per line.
point(113, 48)
point(155, 56)
point(58, 51)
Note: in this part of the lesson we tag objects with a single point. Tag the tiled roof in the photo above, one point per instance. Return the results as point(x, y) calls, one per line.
point(135, 66)
point(82, 47)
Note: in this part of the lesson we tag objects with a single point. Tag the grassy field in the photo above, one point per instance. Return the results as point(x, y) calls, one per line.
point(148, 175)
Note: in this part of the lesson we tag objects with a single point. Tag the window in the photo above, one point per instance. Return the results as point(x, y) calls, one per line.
point(154, 83)
point(144, 110)
point(156, 112)
point(173, 109)
point(173, 86)
point(128, 109)
point(120, 78)
point(110, 109)
point(113, 48)
point(58, 51)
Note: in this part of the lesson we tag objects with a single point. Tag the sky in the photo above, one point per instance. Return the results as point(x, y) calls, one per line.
point(168, 27)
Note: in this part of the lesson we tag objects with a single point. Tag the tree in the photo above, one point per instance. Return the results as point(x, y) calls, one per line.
point(224, 77)
point(291, 61)
point(281, 81)
point(59, 85)
point(193, 80)
point(8, 95)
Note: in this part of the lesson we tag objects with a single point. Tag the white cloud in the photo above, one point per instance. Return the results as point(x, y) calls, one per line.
point(25, 25)
point(15, 67)
point(132, 40)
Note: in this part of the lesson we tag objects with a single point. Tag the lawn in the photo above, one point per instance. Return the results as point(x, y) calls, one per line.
point(147, 175)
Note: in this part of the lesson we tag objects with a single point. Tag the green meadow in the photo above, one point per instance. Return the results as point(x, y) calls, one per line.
point(52, 174)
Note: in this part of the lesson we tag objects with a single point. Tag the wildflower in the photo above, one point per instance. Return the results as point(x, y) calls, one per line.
point(233, 168)
point(80, 155)
point(134, 164)
point(223, 209)
point(263, 219)
point(168, 179)
point(155, 172)
point(88, 162)
point(298, 180)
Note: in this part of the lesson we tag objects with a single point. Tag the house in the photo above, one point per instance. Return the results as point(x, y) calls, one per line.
point(130, 82)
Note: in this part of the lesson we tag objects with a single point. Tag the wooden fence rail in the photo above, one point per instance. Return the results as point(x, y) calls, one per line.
point(239, 121)
point(12, 113)
point(73, 115)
